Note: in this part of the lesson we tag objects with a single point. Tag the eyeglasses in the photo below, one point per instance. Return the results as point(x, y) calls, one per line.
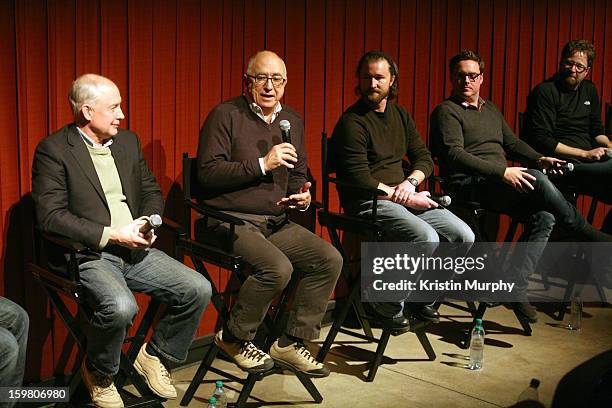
point(472, 76)
point(261, 80)
point(579, 67)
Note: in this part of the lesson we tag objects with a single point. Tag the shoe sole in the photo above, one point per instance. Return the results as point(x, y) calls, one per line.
point(291, 367)
point(141, 372)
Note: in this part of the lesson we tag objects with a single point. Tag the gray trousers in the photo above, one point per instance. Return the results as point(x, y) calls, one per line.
point(275, 247)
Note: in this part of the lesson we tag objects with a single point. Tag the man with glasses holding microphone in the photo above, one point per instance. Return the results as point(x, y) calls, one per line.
point(471, 138)
point(563, 119)
point(251, 167)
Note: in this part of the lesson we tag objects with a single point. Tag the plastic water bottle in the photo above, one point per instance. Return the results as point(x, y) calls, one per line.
point(477, 346)
point(212, 402)
point(575, 322)
point(219, 395)
point(531, 392)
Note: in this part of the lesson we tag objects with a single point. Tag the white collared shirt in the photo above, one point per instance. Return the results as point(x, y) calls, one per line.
point(90, 141)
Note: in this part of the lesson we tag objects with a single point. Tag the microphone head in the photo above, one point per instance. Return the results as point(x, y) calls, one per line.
point(569, 167)
point(285, 125)
point(445, 200)
point(155, 220)
point(609, 153)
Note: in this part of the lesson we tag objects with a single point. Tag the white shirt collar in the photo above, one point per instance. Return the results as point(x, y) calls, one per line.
point(90, 141)
point(256, 109)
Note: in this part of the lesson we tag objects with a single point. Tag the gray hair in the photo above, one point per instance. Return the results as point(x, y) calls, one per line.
point(85, 90)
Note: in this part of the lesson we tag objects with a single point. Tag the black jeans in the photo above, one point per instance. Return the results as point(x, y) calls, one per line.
point(539, 209)
point(591, 179)
point(274, 247)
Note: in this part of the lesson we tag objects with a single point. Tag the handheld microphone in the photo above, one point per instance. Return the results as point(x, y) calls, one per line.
point(608, 154)
point(285, 127)
point(153, 222)
point(565, 168)
point(442, 200)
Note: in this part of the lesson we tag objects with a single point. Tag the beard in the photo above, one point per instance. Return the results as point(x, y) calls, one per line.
point(570, 81)
point(373, 97)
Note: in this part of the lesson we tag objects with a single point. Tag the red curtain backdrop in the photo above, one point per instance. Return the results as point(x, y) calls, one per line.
point(174, 60)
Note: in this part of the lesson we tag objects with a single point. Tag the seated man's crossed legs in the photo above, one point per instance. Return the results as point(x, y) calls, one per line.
point(276, 247)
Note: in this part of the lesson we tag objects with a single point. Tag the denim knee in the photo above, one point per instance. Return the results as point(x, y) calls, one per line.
point(120, 312)
point(426, 235)
point(9, 351)
point(199, 292)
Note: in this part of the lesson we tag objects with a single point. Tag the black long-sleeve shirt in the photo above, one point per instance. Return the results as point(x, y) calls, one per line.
point(555, 114)
point(370, 147)
point(471, 141)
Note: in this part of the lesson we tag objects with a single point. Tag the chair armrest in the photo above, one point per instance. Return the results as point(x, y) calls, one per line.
point(210, 212)
point(174, 227)
point(369, 191)
point(63, 242)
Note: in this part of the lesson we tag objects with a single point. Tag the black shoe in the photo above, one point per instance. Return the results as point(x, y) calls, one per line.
point(427, 313)
point(397, 324)
point(526, 310)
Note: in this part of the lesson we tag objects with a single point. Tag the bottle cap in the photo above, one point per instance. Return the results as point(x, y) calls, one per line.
point(535, 383)
point(212, 400)
point(219, 383)
point(479, 322)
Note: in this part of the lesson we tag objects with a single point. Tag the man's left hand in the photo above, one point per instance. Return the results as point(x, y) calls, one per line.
point(300, 200)
point(402, 192)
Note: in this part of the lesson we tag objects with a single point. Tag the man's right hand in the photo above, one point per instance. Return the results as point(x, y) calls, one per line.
point(421, 201)
point(519, 179)
point(594, 154)
point(283, 154)
point(130, 236)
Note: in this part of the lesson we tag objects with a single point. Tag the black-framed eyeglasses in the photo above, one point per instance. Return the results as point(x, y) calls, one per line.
point(472, 76)
point(260, 80)
point(579, 67)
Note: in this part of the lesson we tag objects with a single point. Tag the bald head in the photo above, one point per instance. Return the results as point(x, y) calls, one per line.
point(266, 56)
point(86, 89)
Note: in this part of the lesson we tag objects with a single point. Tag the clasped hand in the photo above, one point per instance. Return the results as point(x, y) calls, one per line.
point(130, 236)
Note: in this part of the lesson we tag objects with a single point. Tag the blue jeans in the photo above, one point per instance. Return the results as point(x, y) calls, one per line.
point(14, 324)
point(402, 225)
point(110, 281)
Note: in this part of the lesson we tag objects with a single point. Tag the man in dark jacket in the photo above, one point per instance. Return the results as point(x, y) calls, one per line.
point(91, 184)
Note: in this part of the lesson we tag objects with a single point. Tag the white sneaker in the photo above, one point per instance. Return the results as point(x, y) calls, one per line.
point(101, 388)
point(296, 357)
point(158, 378)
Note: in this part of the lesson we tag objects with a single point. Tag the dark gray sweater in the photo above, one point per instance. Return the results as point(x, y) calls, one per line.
point(471, 142)
point(370, 147)
point(232, 140)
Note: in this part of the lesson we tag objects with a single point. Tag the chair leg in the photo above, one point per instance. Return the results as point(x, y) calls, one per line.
point(338, 321)
point(310, 387)
point(199, 375)
point(522, 320)
point(380, 350)
point(422, 336)
point(246, 390)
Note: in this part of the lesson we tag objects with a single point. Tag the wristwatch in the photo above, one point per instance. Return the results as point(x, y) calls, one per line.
point(413, 181)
